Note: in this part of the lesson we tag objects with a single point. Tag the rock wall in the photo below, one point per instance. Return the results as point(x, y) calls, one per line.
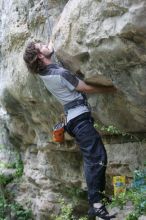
point(108, 47)
point(105, 40)
point(7, 151)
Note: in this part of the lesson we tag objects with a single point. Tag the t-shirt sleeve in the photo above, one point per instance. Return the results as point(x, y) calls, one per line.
point(69, 80)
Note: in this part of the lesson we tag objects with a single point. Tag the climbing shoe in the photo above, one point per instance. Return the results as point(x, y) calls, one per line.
point(100, 212)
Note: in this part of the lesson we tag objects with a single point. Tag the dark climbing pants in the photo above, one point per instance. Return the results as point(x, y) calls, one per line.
point(94, 154)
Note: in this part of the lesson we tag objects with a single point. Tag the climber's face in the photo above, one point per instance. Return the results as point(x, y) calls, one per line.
point(44, 50)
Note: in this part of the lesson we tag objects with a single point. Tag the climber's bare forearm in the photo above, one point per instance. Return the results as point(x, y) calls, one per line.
point(83, 87)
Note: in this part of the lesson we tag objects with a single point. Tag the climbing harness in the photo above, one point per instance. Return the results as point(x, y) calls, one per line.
point(74, 104)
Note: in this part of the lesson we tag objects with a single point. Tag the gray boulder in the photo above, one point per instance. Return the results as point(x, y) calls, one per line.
point(105, 40)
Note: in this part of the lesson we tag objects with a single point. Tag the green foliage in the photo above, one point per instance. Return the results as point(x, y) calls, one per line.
point(137, 199)
point(19, 168)
point(7, 165)
point(75, 193)
point(132, 216)
point(111, 129)
point(8, 208)
point(20, 212)
point(66, 212)
point(18, 165)
point(14, 209)
point(4, 179)
point(83, 218)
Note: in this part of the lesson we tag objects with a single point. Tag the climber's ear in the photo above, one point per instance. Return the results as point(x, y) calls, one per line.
point(40, 55)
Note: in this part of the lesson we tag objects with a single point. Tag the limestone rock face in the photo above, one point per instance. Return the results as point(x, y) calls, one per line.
point(7, 151)
point(106, 41)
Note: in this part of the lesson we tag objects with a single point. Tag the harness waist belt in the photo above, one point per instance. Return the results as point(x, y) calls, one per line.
point(74, 104)
point(75, 121)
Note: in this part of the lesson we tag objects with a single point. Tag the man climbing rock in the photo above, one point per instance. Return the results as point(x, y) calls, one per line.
point(68, 89)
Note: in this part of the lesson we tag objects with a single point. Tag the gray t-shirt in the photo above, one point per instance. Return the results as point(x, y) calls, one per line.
point(61, 83)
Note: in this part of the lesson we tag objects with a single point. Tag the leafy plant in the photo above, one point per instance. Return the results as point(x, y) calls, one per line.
point(75, 193)
point(18, 165)
point(9, 209)
point(12, 210)
point(83, 218)
point(19, 168)
point(137, 199)
point(4, 179)
point(66, 212)
point(7, 165)
point(15, 210)
point(132, 216)
point(111, 129)
point(19, 212)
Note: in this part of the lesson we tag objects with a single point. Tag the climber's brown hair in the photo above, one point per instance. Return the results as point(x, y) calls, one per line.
point(30, 56)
